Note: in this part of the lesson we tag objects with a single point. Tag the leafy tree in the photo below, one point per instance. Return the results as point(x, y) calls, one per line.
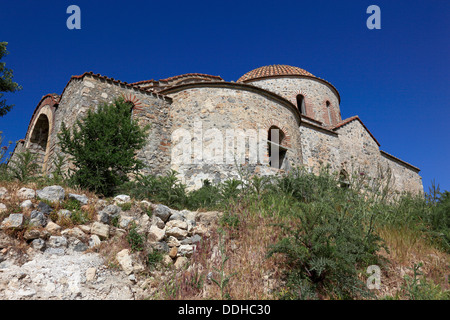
point(103, 147)
point(6, 82)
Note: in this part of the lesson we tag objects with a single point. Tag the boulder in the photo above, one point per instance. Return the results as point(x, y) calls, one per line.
point(51, 193)
point(176, 232)
point(44, 208)
point(90, 274)
point(108, 213)
point(82, 199)
point(3, 208)
point(15, 220)
point(207, 218)
point(52, 227)
point(185, 250)
point(26, 193)
point(180, 263)
point(37, 219)
point(94, 240)
point(27, 204)
point(156, 234)
point(4, 193)
point(31, 234)
point(122, 198)
point(162, 212)
point(124, 221)
point(177, 223)
point(38, 244)
point(157, 221)
point(74, 232)
point(124, 259)
point(100, 229)
point(57, 242)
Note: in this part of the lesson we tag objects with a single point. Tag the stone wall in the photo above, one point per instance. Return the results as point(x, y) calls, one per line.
point(320, 147)
point(360, 154)
point(200, 111)
point(316, 95)
point(86, 93)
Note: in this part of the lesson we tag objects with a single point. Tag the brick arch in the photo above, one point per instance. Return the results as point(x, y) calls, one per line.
point(38, 138)
point(134, 101)
point(308, 107)
point(275, 123)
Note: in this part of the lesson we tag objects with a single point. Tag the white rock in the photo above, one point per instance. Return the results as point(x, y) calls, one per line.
point(4, 193)
point(122, 198)
point(51, 193)
point(177, 223)
point(80, 198)
point(74, 232)
point(3, 208)
point(27, 204)
point(176, 232)
point(185, 250)
point(94, 240)
point(100, 229)
point(156, 234)
point(124, 221)
point(26, 193)
point(52, 227)
point(124, 259)
point(15, 220)
point(181, 262)
point(90, 274)
point(57, 242)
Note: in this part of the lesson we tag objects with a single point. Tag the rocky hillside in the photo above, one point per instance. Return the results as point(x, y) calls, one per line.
point(55, 244)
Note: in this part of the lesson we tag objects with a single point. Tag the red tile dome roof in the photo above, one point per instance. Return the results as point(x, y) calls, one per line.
point(273, 70)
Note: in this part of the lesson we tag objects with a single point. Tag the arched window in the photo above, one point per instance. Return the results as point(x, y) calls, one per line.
point(277, 153)
point(39, 139)
point(301, 104)
point(329, 112)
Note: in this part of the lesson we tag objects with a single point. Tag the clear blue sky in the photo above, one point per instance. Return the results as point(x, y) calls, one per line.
point(396, 79)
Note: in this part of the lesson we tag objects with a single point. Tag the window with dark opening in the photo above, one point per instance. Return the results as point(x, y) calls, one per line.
point(277, 153)
point(301, 104)
point(329, 112)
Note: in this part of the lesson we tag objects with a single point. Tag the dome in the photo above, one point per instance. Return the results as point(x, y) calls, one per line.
point(274, 70)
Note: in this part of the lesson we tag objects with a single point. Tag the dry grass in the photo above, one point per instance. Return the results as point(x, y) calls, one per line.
point(407, 248)
point(253, 275)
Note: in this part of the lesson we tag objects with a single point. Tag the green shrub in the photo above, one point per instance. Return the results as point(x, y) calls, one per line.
point(421, 289)
point(331, 240)
point(165, 189)
point(24, 167)
point(135, 239)
point(154, 258)
point(207, 197)
point(103, 147)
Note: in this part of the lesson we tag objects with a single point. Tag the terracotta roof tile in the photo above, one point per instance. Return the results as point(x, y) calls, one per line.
point(273, 70)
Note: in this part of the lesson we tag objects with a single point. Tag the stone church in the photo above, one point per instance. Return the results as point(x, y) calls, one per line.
point(198, 121)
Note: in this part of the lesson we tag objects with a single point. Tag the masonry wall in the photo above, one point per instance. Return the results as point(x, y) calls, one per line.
point(360, 155)
point(320, 148)
point(404, 177)
point(202, 110)
point(83, 94)
point(316, 95)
